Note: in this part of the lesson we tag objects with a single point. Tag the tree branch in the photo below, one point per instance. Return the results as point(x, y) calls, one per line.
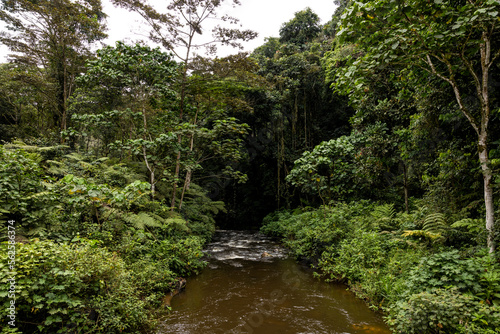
point(456, 90)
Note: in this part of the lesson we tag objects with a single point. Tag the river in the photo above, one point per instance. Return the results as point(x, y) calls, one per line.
point(251, 286)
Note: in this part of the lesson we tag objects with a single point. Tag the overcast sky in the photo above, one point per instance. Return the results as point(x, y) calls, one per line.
point(263, 16)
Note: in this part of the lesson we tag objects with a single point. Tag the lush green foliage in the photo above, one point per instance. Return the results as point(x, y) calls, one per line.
point(445, 311)
point(367, 109)
point(303, 28)
point(108, 254)
point(77, 286)
point(327, 169)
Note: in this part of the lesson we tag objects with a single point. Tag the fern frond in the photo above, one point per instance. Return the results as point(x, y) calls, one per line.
point(195, 191)
point(36, 231)
point(178, 224)
point(384, 212)
point(422, 234)
point(57, 168)
point(101, 160)
point(141, 220)
point(383, 216)
point(75, 157)
point(215, 207)
point(435, 223)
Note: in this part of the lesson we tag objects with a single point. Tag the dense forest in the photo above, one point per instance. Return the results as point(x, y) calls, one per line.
point(370, 145)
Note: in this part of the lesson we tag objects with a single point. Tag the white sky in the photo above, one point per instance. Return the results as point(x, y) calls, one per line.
point(262, 16)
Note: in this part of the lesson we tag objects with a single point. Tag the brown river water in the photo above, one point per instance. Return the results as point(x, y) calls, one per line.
point(251, 286)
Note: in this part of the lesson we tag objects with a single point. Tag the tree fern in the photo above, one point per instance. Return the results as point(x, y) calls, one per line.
point(433, 229)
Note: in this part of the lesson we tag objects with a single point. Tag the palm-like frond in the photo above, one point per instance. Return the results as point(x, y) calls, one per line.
point(433, 229)
point(435, 223)
point(383, 217)
point(141, 220)
point(423, 234)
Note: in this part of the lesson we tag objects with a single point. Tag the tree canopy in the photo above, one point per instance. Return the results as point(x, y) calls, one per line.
point(303, 28)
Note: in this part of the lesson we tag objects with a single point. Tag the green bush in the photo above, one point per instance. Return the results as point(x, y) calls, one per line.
point(444, 311)
point(375, 266)
point(79, 286)
point(25, 194)
point(309, 233)
point(182, 256)
point(445, 269)
point(153, 280)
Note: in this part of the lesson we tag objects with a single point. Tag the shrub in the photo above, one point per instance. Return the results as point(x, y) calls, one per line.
point(444, 311)
point(79, 286)
point(445, 269)
point(309, 233)
point(24, 196)
point(182, 256)
point(375, 265)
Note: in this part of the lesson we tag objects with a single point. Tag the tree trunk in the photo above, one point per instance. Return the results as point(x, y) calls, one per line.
point(150, 168)
point(181, 115)
point(488, 191)
point(481, 83)
point(189, 172)
point(187, 183)
point(153, 187)
point(176, 176)
point(405, 186)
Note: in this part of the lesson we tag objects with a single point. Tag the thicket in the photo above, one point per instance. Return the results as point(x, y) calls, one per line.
point(95, 253)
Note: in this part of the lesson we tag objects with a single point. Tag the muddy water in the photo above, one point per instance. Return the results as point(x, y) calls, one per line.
point(251, 286)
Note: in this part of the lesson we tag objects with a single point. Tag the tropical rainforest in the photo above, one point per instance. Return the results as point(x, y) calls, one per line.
point(369, 145)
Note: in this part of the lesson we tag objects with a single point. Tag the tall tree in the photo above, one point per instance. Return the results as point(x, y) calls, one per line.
point(142, 77)
point(54, 36)
point(303, 28)
point(23, 108)
point(455, 42)
point(177, 26)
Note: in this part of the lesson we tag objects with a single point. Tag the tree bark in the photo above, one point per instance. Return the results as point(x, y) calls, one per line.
point(488, 191)
point(150, 168)
point(405, 186)
point(181, 115)
point(189, 172)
